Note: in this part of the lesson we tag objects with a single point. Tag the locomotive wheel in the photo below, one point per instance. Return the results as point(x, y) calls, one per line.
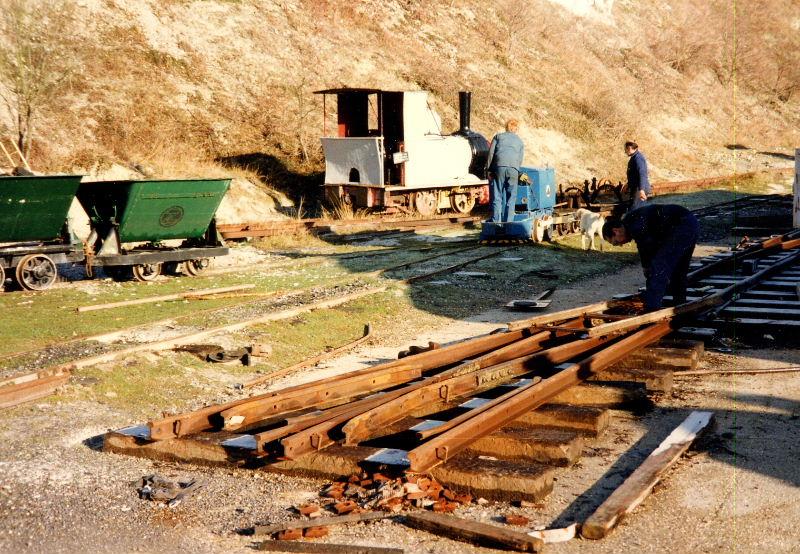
point(425, 202)
point(197, 266)
point(462, 203)
point(36, 272)
point(146, 272)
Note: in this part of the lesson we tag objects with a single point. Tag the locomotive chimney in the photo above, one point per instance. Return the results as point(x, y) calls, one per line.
point(464, 101)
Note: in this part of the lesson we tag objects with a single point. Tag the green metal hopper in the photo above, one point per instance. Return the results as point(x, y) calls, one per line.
point(34, 208)
point(151, 211)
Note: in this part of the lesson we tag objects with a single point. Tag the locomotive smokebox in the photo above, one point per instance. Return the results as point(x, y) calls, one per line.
point(477, 142)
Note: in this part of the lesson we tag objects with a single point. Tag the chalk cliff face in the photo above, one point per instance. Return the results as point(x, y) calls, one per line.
point(172, 83)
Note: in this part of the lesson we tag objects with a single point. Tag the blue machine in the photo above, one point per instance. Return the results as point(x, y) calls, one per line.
point(536, 200)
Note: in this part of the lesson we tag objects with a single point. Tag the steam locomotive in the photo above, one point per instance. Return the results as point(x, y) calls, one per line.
point(390, 153)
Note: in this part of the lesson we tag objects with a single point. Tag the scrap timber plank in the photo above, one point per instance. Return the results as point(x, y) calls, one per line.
point(325, 548)
point(636, 487)
point(164, 298)
point(262, 530)
point(483, 534)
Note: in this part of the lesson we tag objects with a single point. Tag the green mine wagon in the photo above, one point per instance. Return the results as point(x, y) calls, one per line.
point(34, 237)
point(34, 208)
point(152, 211)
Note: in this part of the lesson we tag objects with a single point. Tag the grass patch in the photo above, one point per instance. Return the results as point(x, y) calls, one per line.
point(140, 384)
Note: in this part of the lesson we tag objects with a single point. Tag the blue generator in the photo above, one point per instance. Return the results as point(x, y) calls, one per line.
point(533, 211)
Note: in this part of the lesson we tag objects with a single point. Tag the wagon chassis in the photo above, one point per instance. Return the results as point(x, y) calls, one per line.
point(35, 263)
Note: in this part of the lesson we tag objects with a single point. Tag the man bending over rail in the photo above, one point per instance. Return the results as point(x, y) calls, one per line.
point(665, 236)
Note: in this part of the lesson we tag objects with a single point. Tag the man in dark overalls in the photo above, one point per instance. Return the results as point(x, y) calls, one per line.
point(502, 166)
point(638, 181)
point(665, 236)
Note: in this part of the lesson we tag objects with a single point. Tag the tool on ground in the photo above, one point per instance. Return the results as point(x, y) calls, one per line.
point(533, 304)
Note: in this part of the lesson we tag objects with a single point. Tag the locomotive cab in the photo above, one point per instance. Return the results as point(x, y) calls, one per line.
point(389, 152)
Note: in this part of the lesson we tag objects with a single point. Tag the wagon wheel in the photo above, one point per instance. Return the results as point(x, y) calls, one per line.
point(462, 202)
point(146, 272)
point(197, 266)
point(36, 272)
point(2, 278)
point(425, 202)
point(573, 197)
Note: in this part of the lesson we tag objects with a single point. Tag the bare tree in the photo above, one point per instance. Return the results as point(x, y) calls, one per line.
point(37, 60)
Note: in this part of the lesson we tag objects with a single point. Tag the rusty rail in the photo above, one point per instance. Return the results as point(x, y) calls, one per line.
point(440, 448)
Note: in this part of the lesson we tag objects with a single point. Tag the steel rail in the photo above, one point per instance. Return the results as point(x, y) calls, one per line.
point(784, 242)
point(310, 433)
point(468, 378)
point(442, 447)
point(209, 417)
point(314, 360)
point(720, 297)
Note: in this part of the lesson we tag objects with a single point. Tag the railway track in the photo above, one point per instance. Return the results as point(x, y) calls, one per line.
point(322, 226)
point(319, 226)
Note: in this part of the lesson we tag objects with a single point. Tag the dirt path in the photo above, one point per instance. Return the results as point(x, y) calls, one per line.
point(737, 493)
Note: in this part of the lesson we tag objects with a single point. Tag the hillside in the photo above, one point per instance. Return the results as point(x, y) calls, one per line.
point(212, 87)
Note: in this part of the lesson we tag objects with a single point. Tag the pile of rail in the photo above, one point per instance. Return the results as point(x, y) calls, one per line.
point(372, 416)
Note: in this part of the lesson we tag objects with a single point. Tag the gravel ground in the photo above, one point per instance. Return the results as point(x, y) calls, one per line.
point(736, 492)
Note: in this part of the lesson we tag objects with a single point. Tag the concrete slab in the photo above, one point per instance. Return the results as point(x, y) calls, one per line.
point(587, 420)
point(558, 447)
point(618, 395)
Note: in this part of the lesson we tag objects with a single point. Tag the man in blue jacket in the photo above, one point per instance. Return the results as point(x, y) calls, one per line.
point(502, 167)
point(665, 236)
point(638, 182)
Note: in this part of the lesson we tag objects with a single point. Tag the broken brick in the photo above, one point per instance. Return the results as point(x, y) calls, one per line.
point(444, 506)
point(411, 487)
point(512, 519)
point(315, 532)
point(345, 507)
point(308, 509)
point(464, 498)
point(289, 534)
